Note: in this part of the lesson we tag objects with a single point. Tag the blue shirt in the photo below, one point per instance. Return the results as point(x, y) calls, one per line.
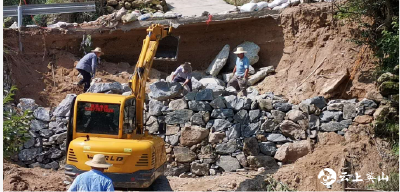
point(241, 66)
point(92, 180)
point(179, 73)
point(88, 63)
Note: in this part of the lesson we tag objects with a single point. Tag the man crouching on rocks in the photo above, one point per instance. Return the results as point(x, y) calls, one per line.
point(87, 67)
point(183, 74)
point(240, 72)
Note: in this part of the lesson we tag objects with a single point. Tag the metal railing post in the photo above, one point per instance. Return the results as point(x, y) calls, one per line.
point(19, 17)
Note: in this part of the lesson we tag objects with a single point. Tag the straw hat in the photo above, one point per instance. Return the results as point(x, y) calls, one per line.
point(97, 50)
point(98, 161)
point(239, 50)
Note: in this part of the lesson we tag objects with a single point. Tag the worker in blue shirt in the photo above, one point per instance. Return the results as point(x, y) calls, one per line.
point(94, 180)
point(240, 72)
point(87, 67)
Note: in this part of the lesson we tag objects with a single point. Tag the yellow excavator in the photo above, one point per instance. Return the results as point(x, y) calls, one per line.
point(112, 124)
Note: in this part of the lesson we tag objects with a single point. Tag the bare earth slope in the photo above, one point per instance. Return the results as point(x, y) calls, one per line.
point(320, 48)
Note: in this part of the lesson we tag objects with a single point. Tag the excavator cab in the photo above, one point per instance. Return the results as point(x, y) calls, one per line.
point(168, 49)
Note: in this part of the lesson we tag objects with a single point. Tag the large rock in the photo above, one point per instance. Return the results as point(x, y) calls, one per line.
point(227, 77)
point(155, 107)
point(46, 133)
point(234, 131)
point(292, 130)
point(250, 130)
point(269, 125)
point(349, 111)
point(333, 126)
point(178, 117)
point(221, 124)
point(196, 85)
point(42, 114)
point(363, 119)
point(58, 138)
point(241, 117)
point(218, 103)
point(313, 122)
point(217, 90)
point(172, 139)
point(216, 137)
point(277, 138)
point(366, 106)
point(250, 146)
point(222, 113)
point(29, 143)
point(318, 101)
point(267, 148)
point(28, 154)
point(261, 74)
point(199, 106)
point(184, 154)
point(114, 87)
point(176, 171)
point(296, 115)
point(254, 115)
point(267, 162)
point(233, 102)
point(172, 130)
point(197, 119)
point(278, 115)
point(204, 95)
point(290, 152)
point(226, 148)
point(211, 80)
point(190, 96)
point(327, 116)
point(389, 88)
point(27, 104)
point(228, 163)
point(162, 90)
point(200, 169)
point(252, 53)
point(178, 104)
point(281, 106)
point(37, 125)
point(152, 125)
point(219, 62)
point(193, 135)
point(265, 104)
point(64, 107)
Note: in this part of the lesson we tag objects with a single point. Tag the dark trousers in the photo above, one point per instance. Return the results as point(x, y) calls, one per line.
point(180, 79)
point(86, 79)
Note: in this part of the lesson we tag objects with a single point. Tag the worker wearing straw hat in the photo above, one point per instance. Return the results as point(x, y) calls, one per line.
point(240, 72)
point(94, 180)
point(87, 67)
point(184, 74)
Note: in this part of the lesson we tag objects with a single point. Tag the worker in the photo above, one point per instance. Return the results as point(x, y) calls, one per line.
point(87, 67)
point(183, 74)
point(94, 180)
point(240, 72)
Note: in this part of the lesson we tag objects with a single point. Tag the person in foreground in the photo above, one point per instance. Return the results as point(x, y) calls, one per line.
point(240, 72)
point(94, 180)
point(87, 67)
point(184, 74)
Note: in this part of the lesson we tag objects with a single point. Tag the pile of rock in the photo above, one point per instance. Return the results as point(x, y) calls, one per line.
point(143, 5)
point(46, 144)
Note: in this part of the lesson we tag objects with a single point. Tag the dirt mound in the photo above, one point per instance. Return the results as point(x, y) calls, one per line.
point(18, 178)
point(360, 152)
point(319, 57)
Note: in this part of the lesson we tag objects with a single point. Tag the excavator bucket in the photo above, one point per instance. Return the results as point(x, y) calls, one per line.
point(167, 49)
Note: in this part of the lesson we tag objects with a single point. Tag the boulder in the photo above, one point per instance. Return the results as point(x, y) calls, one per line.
point(172, 139)
point(216, 137)
point(199, 106)
point(318, 101)
point(218, 103)
point(222, 113)
point(219, 62)
point(226, 148)
point(176, 171)
point(327, 116)
point(197, 119)
point(349, 111)
point(242, 159)
point(233, 102)
point(265, 104)
point(387, 77)
point(62, 110)
point(172, 130)
point(155, 107)
point(284, 107)
point(250, 146)
point(114, 87)
point(55, 153)
point(221, 125)
point(241, 117)
point(178, 104)
point(162, 90)
point(262, 161)
point(190, 96)
point(313, 122)
point(52, 165)
point(178, 117)
point(184, 154)
point(364, 119)
point(193, 135)
point(250, 130)
point(27, 104)
point(290, 152)
point(277, 138)
point(278, 116)
point(261, 74)
point(267, 148)
point(381, 113)
point(227, 77)
point(254, 115)
point(199, 169)
point(366, 106)
point(296, 115)
point(269, 125)
point(228, 163)
point(252, 53)
point(28, 154)
point(217, 90)
point(196, 85)
point(335, 107)
point(234, 131)
point(42, 114)
point(211, 80)
point(292, 130)
point(333, 126)
point(29, 143)
point(37, 125)
point(389, 88)
point(58, 138)
point(204, 95)
point(152, 125)
point(46, 133)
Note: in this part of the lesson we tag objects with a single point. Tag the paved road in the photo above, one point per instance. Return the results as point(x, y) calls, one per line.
point(197, 7)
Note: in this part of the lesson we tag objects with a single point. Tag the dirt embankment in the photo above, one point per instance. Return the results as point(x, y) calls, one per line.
point(319, 57)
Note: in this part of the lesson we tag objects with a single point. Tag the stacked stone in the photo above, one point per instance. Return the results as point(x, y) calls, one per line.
point(46, 144)
point(143, 5)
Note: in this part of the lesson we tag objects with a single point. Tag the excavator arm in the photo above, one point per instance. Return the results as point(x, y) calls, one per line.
point(155, 34)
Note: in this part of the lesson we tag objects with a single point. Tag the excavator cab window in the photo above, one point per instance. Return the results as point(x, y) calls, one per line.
point(129, 116)
point(97, 118)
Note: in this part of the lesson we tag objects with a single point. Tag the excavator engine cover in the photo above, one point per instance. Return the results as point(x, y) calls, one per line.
point(167, 49)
